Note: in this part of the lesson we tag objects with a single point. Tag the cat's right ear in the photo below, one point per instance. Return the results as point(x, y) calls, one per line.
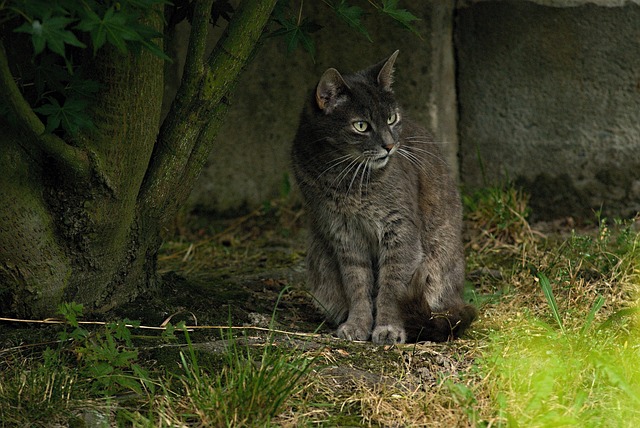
point(331, 90)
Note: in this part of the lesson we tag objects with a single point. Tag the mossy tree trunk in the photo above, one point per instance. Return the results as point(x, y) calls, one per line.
point(81, 221)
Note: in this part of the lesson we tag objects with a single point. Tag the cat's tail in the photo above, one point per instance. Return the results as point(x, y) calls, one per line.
point(422, 324)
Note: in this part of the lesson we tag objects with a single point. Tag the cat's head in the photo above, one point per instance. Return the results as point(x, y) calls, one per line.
point(358, 113)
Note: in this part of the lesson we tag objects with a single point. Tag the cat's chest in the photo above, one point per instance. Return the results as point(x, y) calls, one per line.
point(366, 211)
point(366, 221)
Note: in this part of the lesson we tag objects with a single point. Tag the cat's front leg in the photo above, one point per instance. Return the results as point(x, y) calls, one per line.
point(357, 279)
point(399, 259)
point(354, 258)
point(389, 328)
point(340, 278)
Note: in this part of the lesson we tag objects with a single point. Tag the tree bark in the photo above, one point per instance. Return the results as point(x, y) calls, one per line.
point(81, 219)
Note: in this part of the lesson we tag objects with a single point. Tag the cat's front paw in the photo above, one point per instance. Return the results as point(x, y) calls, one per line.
point(350, 331)
point(388, 335)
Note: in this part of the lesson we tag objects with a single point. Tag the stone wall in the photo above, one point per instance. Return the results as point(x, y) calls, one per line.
point(549, 96)
point(545, 93)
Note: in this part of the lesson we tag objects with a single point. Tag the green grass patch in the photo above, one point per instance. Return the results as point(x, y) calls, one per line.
point(97, 376)
point(542, 376)
point(562, 345)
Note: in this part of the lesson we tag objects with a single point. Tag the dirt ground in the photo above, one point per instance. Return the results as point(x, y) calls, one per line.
point(248, 274)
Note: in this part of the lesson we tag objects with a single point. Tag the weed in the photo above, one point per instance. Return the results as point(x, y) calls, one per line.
point(551, 300)
point(253, 391)
point(102, 370)
point(37, 393)
point(578, 373)
point(106, 356)
point(497, 216)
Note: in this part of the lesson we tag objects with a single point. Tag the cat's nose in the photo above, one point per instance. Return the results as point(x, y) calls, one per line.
point(388, 147)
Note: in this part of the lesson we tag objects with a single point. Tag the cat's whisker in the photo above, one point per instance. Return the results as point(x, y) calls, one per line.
point(412, 158)
point(365, 172)
point(424, 140)
point(338, 179)
point(368, 178)
point(355, 174)
point(420, 162)
point(345, 172)
point(338, 161)
point(424, 151)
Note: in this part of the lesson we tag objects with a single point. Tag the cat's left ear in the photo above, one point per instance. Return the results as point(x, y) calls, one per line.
point(331, 90)
point(385, 75)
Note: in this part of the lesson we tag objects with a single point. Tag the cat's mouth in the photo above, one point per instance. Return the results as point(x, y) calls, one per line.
point(383, 159)
point(379, 162)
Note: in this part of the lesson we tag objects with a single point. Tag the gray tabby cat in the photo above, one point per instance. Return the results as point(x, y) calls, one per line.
point(385, 258)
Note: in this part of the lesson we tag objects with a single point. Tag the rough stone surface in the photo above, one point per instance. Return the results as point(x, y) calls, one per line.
point(550, 97)
point(251, 160)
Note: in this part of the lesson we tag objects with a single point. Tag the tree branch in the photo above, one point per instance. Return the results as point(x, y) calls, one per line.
point(233, 52)
point(194, 62)
point(28, 122)
point(187, 125)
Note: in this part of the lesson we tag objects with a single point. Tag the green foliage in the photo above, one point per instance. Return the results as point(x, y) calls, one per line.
point(93, 369)
point(351, 15)
point(401, 16)
point(37, 392)
point(110, 360)
point(499, 216)
point(107, 356)
point(297, 30)
point(71, 116)
point(551, 300)
point(71, 312)
point(59, 23)
point(544, 377)
point(252, 388)
point(60, 32)
point(56, 88)
point(120, 30)
point(582, 368)
point(52, 32)
point(464, 397)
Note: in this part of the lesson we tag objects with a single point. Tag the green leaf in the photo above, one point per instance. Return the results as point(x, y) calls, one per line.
point(119, 28)
point(551, 300)
point(597, 304)
point(80, 87)
point(129, 383)
point(52, 32)
point(111, 27)
point(295, 34)
point(72, 116)
point(71, 312)
point(402, 16)
point(352, 16)
point(155, 49)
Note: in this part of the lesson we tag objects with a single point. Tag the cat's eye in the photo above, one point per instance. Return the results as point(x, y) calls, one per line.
point(393, 118)
point(360, 126)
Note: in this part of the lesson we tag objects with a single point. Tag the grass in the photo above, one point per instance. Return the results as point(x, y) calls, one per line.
point(563, 347)
point(557, 342)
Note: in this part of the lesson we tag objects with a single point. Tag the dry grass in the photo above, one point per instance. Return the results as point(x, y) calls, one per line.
point(479, 381)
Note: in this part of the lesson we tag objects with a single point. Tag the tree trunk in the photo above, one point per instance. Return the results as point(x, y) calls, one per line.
point(80, 221)
point(77, 238)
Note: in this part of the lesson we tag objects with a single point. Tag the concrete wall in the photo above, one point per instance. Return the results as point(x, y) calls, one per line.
point(251, 158)
point(550, 97)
